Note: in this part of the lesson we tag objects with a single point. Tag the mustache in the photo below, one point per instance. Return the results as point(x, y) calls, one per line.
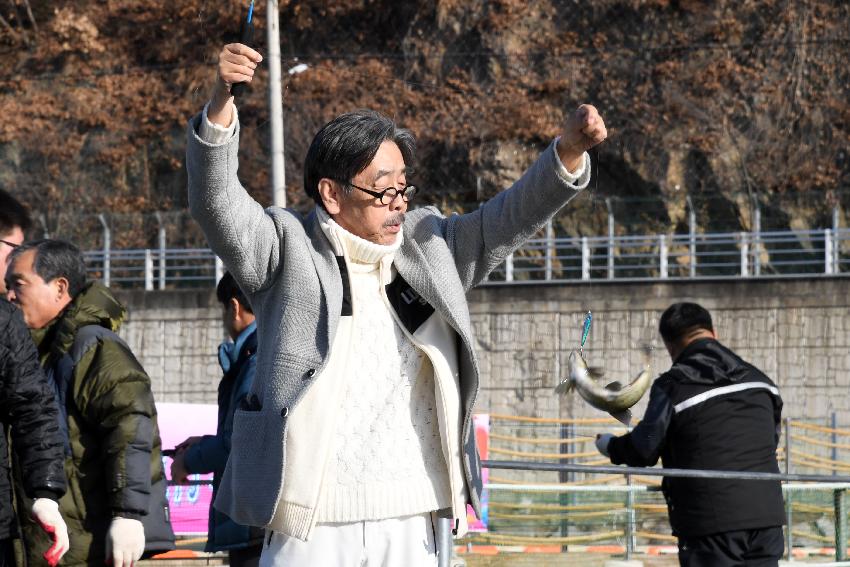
point(394, 219)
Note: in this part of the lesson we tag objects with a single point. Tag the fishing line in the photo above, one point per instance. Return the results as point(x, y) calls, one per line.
point(594, 195)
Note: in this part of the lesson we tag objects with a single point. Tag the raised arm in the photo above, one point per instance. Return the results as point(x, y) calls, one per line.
point(482, 239)
point(237, 228)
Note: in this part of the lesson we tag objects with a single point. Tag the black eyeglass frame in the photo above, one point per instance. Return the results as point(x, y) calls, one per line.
point(11, 245)
point(379, 195)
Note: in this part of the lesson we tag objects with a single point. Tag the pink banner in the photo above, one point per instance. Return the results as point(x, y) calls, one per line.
point(481, 422)
point(189, 505)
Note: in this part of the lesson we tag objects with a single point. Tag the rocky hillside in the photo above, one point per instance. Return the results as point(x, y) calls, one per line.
point(731, 102)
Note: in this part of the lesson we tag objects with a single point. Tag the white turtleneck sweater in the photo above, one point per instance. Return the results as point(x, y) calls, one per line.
point(387, 459)
point(371, 437)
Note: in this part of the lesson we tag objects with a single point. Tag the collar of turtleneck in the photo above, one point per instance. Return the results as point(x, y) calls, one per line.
point(353, 247)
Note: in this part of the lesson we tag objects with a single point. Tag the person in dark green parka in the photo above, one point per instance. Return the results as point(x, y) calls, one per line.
point(115, 506)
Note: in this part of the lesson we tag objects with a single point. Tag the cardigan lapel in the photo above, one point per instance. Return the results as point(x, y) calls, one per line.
point(413, 267)
point(328, 272)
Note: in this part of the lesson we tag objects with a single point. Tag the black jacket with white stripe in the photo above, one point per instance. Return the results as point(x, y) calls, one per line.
point(711, 410)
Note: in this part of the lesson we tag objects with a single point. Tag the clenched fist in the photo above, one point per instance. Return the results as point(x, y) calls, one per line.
point(583, 130)
point(236, 64)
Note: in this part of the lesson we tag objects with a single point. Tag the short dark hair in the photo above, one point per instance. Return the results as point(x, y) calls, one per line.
point(346, 145)
point(228, 289)
point(680, 319)
point(56, 259)
point(12, 214)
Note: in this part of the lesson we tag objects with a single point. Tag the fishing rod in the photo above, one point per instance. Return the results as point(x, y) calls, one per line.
point(246, 37)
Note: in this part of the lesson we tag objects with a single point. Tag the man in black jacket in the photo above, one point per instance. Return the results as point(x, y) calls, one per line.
point(28, 410)
point(714, 411)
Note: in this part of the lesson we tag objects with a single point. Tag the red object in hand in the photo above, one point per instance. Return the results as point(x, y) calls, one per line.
point(46, 512)
point(54, 554)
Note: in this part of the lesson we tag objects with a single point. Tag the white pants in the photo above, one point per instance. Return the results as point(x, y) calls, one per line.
point(397, 542)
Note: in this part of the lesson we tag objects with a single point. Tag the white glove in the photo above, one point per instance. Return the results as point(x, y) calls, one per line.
point(46, 512)
point(125, 542)
point(602, 441)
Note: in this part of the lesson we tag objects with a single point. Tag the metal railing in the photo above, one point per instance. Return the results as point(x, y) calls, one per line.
point(552, 259)
point(679, 256)
point(839, 485)
point(581, 506)
point(155, 268)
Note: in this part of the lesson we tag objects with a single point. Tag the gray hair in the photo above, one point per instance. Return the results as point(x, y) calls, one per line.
point(346, 145)
point(56, 259)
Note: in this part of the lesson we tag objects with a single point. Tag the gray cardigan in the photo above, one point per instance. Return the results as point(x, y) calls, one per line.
point(286, 266)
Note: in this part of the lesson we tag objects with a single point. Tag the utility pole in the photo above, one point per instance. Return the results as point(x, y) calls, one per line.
point(278, 173)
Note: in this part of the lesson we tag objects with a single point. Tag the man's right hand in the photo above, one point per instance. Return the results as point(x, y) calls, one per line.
point(236, 64)
point(602, 441)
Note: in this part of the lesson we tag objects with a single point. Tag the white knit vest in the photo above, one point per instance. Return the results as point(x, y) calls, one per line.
point(387, 459)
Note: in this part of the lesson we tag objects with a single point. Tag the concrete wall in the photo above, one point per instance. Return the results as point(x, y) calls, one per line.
point(797, 331)
point(175, 335)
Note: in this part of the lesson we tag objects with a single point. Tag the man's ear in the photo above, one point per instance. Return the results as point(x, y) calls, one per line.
point(235, 307)
point(331, 195)
point(62, 287)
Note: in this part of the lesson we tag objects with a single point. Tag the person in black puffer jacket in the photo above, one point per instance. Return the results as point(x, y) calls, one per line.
point(29, 412)
point(711, 410)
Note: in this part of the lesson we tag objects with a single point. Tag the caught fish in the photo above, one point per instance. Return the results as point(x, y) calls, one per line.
point(613, 398)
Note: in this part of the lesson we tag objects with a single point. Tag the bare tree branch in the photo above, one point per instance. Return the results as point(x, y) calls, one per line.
point(9, 27)
point(32, 18)
point(20, 21)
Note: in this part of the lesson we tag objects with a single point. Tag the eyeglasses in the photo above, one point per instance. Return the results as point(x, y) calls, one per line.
point(389, 194)
point(9, 244)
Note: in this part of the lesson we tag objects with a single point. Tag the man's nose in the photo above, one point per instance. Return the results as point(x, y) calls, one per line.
point(398, 203)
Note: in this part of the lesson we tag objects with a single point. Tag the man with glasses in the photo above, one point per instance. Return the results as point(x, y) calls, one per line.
point(357, 432)
point(14, 222)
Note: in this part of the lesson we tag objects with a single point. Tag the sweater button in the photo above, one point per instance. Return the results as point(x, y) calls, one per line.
point(284, 412)
point(309, 374)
